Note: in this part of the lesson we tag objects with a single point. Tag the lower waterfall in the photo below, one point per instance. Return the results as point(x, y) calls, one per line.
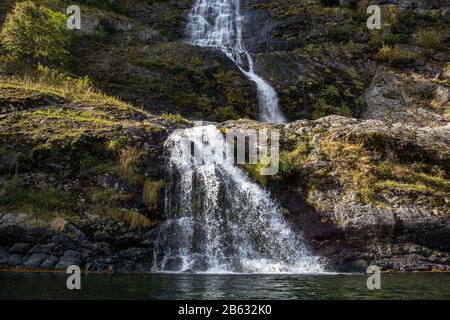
point(218, 219)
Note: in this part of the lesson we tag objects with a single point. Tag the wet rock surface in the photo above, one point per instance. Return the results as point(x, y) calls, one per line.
point(50, 250)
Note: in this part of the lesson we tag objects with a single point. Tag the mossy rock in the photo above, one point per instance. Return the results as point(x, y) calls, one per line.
point(176, 78)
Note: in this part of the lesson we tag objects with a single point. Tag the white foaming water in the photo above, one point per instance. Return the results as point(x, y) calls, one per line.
point(218, 24)
point(218, 220)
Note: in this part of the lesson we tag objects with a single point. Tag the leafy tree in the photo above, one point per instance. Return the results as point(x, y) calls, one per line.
point(37, 33)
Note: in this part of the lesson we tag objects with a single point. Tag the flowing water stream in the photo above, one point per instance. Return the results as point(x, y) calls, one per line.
point(218, 24)
point(218, 220)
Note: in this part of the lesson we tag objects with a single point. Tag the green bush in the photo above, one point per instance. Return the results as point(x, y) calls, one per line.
point(432, 39)
point(339, 33)
point(36, 33)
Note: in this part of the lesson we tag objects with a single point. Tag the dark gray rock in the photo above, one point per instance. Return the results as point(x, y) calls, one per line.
point(13, 219)
point(49, 263)
point(135, 260)
point(14, 260)
point(4, 257)
point(69, 258)
point(34, 261)
point(44, 248)
point(21, 248)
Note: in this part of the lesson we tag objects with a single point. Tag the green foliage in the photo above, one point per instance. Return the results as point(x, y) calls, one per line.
point(109, 203)
point(323, 108)
point(331, 102)
point(173, 118)
point(106, 198)
point(340, 33)
point(89, 162)
point(432, 39)
point(41, 151)
point(395, 57)
point(40, 201)
point(312, 50)
point(34, 32)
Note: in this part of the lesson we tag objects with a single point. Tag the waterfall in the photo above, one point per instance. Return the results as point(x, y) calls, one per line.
point(218, 23)
point(218, 219)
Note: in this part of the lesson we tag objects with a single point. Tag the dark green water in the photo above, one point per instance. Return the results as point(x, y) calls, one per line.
point(191, 286)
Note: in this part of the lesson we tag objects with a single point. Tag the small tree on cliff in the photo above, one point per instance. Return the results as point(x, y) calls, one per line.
point(36, 33)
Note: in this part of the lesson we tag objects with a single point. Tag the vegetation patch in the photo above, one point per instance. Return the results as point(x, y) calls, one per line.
point(361, 174)
point(36, 33)
point(151, 193)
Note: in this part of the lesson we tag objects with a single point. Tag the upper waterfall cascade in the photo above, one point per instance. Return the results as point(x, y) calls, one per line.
point(220, 221)
point(218, 23)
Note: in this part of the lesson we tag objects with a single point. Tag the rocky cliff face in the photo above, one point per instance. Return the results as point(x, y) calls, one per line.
point(322, 59)
point(82, 173)
point(366, 193)
point(361, 194)
point(82, 179)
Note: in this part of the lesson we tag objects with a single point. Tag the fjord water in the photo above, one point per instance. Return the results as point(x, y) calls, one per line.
point(218, 220)
point(218, 24)
point(201, 286)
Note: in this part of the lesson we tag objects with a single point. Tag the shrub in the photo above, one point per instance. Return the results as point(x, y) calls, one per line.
point(339, 33)
point(395, 57)
point(34, 32)
point(430, 39)
point(322, 108)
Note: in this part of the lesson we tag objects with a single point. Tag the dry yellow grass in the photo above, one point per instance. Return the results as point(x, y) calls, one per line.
point(58, 224)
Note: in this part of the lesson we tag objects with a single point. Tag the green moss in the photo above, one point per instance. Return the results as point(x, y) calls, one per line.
point(41, 202)
point(77, 116)
point(41, 151)
point(432, 39)
point(88, 162)
point(106, 198)
point(194, 83)
point(353, 167)
point(293, 160)
point(227, 113)
point(325, 90)
point(118, 143)
point(174, 118)
point(323, 108)
point(395, 57)
point(112, 204)
point(255, 173)
point(391, 94)
point(408, 187)
point(340, 33)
